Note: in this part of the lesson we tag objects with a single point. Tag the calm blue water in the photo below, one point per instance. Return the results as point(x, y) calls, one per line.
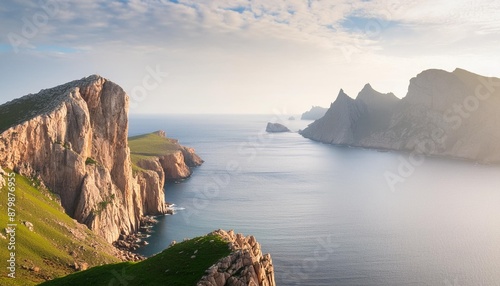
point(326, 213)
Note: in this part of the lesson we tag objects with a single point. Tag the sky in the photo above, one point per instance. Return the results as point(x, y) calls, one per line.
point(242, 56)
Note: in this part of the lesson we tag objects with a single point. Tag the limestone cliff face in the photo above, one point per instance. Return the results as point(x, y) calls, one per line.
point(174, 166)
point(151, 181)
point(74, 138)
point(246, 265)
point(452, 114)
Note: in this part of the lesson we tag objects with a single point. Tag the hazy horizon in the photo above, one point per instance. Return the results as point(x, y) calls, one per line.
point(241, 57)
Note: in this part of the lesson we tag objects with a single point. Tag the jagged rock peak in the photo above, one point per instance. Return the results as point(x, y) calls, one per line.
point(367, 87)
point(461, 105)
point(343, 96)
point(369, 95)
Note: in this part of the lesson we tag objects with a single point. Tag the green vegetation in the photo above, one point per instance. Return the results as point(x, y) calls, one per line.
point(56, 242)
point(65, 144)
point(90, 161)
point(30, 106)
point(174, 266)
point(144, 147)
point(102, 205)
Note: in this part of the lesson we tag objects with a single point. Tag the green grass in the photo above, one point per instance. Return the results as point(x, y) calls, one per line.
point(90, 161)
point(56, 242)
point(152, 145)
point(144, 147)
point(30, 106)
point(173, 266)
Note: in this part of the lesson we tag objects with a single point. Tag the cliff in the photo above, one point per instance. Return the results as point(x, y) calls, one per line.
point(218, 258)
point(73, 138)
point(444, 113)
point(315, 113)
point(246, 265)
point(163, 155)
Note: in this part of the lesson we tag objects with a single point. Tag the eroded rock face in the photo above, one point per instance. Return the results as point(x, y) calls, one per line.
point(453, 114)
point(77, 145)
point(174, 166)
point(190, 157)
point(3, 174)
point(246, 265)
point(151, 182)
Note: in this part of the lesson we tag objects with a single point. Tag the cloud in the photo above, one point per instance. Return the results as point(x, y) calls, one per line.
point(234, 49)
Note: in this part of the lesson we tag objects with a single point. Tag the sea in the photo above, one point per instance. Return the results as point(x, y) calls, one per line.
point(332, 215)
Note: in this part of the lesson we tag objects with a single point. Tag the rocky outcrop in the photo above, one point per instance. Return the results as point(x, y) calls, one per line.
point(191, 159)
point(3, 175)
point(276, 127)
point(173, 161)
point(246, 265)
point(451, 114)
point(315, 113)
point(74, 138)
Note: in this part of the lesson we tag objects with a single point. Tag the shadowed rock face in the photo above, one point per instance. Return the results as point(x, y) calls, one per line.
point(75, 141)
point(451, 114)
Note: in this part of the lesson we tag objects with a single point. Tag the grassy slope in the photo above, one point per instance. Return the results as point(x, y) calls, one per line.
point(27, 107)
point(55, 236)
point(173, 266)
point(149, 145)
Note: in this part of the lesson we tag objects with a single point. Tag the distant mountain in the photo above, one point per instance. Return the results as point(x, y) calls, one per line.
point(316, 112)
point(454, 114)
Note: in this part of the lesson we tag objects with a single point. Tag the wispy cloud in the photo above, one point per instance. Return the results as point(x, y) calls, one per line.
point(239, 39)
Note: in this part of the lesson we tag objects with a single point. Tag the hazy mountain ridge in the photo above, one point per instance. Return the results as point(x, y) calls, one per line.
point(315, 113)
point(444, 113)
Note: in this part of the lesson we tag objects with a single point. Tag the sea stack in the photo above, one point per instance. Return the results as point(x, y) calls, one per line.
point(276, 128)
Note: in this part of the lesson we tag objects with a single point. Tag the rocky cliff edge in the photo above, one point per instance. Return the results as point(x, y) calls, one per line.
point(246, 265)
point(73, 138)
